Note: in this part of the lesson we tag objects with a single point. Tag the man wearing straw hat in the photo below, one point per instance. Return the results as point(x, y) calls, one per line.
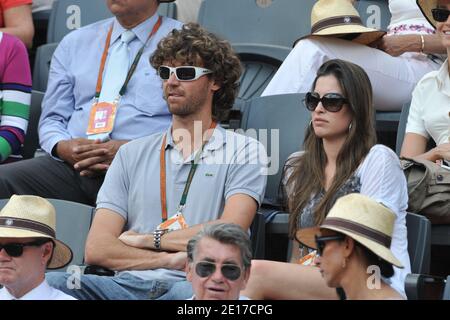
point(28, 247)
point(395, 60)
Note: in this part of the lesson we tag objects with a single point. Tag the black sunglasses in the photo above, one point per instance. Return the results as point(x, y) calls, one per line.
point(440, 14)
point(205, 269)
point(183, 73)
point(332, 102)
point(16, 249)
point(322, 241)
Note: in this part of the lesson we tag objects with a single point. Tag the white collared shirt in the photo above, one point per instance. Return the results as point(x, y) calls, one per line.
point(41, 292)
point(429, 114)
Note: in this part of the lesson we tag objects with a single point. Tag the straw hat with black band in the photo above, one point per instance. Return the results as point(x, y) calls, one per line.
point(339, 18)
point(34, 217)
point(426, 6)
point(361, 218)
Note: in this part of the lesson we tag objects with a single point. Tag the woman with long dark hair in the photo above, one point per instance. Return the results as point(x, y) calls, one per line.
point(340, 157)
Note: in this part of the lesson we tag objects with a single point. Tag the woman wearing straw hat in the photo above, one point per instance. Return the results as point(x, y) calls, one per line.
point(399, 61)
point(353, 245)
point(340, 157)
point(27, 247)
point(429, 114)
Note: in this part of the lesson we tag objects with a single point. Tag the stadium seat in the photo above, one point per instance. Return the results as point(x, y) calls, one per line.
point(447, 289)
point(424, 287)
point(68, 15)
point(419, 242)
point(279, 122)
point(41, 69)
point(31, 142)
point(73, 221)
point(278, 22)
point(260, 63)
point(258, 236)
point(402, 127)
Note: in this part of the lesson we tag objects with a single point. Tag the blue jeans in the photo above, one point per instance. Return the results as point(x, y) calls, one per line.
point(122, 287)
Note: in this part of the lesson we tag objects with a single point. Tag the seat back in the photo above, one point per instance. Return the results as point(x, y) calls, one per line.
point(447, 289)
point(424, 287)
point(402, 128)
point(68, 15)
point(374, 14)
point(31, 142)
point(73, 221)
point(260, 63)
point(258, 236)
point(42, 62)
point(419, 242)
point(278, 22)
point(279, 123)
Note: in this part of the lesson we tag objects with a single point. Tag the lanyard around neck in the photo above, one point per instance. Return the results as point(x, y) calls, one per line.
point(162, 175)
point(133, 66)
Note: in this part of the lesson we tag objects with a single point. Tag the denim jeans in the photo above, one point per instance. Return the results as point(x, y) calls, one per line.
point(121, 287)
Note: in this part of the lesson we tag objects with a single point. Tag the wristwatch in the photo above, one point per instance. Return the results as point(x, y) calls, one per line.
point(157, 234)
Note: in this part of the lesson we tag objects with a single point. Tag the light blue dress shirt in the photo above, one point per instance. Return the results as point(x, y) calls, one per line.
point(73, 78)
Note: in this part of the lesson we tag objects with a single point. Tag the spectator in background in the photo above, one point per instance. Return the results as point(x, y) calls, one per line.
point(397, 60)
point(76, 159)
point(429, 114)
point(15, 96)
point(187, 10)
point(353, 250)
point(218, 264)
point(28, 247)
point(16, 19)
point(340, 157)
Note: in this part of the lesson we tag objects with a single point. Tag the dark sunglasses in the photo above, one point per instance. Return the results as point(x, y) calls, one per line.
point(16, 249)
point(332, 102)
point(184, 73)
point(205, 269)
point(440, 14)
point(322, 241)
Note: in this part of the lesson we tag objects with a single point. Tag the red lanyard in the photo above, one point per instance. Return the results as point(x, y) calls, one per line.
point(133, 66)
point(162, 175)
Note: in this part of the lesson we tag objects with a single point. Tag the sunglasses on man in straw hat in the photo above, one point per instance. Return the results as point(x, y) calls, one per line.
point(431, 11)
point(32, 217)
point(339, 18)
point(361, 218)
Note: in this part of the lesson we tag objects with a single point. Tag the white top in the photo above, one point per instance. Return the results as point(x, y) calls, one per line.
point(429, 114)
point(381, 177)
point(41, 292)
point(406, 12)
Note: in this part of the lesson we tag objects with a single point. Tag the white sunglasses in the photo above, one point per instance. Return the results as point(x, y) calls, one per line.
point(183, 73)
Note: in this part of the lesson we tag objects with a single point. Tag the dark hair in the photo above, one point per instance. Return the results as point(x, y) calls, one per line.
point(227, 233)
point(193, 45)
point(386, 268)
point(305, 174)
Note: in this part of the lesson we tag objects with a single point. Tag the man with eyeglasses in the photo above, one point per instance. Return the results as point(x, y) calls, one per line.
point(101, 93)
point(27, 248)
point(219, 259)
point(162, 189)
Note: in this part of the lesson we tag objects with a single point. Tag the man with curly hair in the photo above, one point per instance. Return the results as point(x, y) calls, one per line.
point(163, 188)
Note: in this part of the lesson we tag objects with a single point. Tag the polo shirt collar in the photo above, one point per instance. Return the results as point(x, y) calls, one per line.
point(141, 31)
point(216, 141)
point(443, 78)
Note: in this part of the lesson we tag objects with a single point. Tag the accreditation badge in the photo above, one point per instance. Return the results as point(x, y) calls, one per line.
point(101, 118)
point(175, 222)
point(308, 260)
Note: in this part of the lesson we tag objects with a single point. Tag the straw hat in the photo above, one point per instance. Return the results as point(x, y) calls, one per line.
point(361, 218)
point(426, 6)
point(338, 18)
point(30, 217)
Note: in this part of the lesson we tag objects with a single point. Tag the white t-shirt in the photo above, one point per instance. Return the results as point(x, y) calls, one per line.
point(41, 292)
point(406, 12)
point(429, 114)
point(381, 177)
